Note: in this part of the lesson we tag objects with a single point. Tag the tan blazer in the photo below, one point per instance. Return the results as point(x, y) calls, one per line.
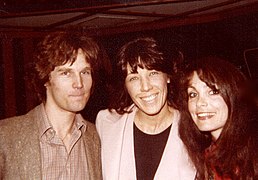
point(20, 148)
point(117, 150)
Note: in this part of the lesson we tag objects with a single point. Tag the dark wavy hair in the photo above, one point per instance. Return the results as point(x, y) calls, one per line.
point(59, 48)
point(151, 57)
point(236, 148)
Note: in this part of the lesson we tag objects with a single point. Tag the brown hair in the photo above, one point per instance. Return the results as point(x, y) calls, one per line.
point(59, 48)
point(237, 145)
point(151, 57)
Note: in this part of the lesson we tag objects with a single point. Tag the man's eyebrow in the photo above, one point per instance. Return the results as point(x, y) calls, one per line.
point(87, 67)
point(63, 69)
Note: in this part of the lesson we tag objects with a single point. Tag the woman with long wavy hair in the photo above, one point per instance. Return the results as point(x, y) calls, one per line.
point(219, 120)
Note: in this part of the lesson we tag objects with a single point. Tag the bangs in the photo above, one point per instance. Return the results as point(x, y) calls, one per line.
point(144, 62)
point(70, 58)
point(209, 78)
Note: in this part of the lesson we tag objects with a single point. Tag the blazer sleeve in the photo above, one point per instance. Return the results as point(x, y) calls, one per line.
point(1, 165)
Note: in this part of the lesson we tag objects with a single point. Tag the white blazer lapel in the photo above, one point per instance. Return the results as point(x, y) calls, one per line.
point(116, 134)
point(175, 163)
point(127, 164)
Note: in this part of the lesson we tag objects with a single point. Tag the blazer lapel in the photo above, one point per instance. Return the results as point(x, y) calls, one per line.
point(127, 162)
point(92, 154)
point(175, 163)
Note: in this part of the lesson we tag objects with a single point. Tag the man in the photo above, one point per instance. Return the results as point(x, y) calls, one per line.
point(53, 141)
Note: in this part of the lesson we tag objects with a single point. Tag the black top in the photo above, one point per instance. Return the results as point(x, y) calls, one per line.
point(148, 150)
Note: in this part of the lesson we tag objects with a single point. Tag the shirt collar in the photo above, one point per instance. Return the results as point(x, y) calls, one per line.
point(44, 124)
point(45, 127)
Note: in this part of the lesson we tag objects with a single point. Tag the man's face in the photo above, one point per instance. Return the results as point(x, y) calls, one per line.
point(69, 86)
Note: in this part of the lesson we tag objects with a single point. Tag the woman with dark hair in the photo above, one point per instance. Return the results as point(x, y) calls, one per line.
point(219, 120)
point(139, 133)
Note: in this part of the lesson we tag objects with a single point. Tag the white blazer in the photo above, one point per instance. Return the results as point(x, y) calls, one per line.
point(117, 150)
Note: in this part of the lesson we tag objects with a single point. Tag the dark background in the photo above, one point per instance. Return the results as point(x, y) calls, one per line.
point(228, 38)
